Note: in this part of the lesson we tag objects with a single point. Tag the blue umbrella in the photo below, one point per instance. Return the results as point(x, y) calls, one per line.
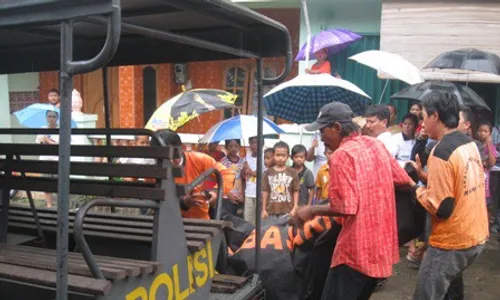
point(34, 116)
point(241, 127)
point(300, 99)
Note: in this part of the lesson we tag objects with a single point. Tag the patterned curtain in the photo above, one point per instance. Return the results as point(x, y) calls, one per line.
point(19, 100)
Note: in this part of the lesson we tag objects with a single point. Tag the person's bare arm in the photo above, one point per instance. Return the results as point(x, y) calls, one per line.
point(324, 210)
point(491, 154)
point(252, 173)
point(311, 71)
point(49, 141)
point(318, 193)
point(295, 200)
point(307, 213)
point(265, 197)
point(310, 152)
point(311, 196)
point(248, 171)
point(422, 175)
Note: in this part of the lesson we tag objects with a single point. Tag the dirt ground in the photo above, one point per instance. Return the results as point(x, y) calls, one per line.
point(482, 279)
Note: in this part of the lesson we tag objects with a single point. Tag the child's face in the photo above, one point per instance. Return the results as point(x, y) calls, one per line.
point(321, 55)
point(53, 98)
point(408, 128)
point(52, 119)
point(280, 156)
point(212, 147)
point(253, 145)
point(299, 159)
point(142, 141)
point(416, 110)
point(483, 132)
point(269, 159)
point(233, 148)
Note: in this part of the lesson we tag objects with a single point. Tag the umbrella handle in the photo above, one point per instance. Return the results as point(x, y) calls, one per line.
point(308, 30)
point(383, 91)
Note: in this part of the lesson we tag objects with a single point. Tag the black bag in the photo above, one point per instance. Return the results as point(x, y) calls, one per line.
point(293, 261)
point(277, 273)
point(312, 262)
point(238, 232)
point(411, 215)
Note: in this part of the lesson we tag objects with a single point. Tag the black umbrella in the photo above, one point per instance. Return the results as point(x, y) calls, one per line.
point(466, 96)
point(469, 59)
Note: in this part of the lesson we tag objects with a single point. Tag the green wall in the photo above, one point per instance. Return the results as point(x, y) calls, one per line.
point(4, 107)
point(361, 16)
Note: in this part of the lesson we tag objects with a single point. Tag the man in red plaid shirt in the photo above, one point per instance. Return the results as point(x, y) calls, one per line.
point(361, 192)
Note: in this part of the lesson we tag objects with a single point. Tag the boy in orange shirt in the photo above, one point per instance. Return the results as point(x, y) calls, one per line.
point(323, 178)
point(322, 66)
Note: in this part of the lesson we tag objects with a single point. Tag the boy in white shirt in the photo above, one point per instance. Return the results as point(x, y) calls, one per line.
point(250, 173)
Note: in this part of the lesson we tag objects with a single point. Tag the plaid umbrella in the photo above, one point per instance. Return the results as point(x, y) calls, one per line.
point(300, 99)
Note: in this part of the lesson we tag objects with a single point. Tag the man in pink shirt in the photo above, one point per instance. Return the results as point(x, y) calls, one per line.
point(367, 246)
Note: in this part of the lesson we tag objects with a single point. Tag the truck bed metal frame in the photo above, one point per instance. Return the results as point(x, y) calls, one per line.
point(17, 15)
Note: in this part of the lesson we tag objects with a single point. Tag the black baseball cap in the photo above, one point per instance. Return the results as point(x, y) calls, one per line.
point(331, 113)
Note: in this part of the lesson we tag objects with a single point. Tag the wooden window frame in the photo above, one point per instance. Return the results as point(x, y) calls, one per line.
point(275, 65)
point(246, 88)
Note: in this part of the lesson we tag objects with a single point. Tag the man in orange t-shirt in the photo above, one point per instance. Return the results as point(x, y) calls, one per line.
point(196, 204)
point(454, 197)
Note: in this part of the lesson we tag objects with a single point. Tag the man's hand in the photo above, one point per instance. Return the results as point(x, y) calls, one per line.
point(264, 214)
point(246, 170)
point(241, 198)
point(233, 198)
point(193, 200)
point(212, 201)
point(308, 71)
point(420, 170)
point(417, 164)
point(315, 143)
point(48, 141)
point(489, 140)
point(302, 215)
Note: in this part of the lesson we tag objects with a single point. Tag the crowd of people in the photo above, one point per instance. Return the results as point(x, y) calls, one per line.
point(358, 162)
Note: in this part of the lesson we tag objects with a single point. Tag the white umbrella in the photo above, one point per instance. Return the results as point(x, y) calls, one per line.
point(391, 64)
point(241, 127)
